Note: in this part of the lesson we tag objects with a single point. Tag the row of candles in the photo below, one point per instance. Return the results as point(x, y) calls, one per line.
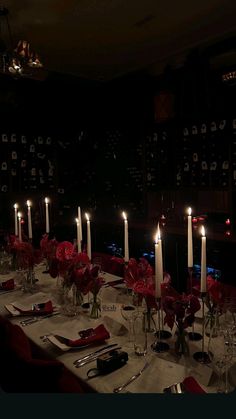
point(158, 242)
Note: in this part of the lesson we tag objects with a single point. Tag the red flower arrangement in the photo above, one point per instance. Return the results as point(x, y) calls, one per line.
point(26, 255)
point(180, 310)
point(139, 276)
point(87, 279)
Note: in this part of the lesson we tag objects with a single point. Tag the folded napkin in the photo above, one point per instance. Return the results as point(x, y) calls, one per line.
point(192, 386)
point(38, 310)
point(100, 334)
point(7, 285)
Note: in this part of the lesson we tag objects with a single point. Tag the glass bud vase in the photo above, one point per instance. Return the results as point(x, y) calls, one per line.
point(211, 324)
point(181, 344)
point(77, 297)
point(95, 312)
point(150, 325)
point(140, 334)
point(29, 280)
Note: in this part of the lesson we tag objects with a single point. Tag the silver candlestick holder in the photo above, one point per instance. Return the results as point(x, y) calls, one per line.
point(194, 336)
point(159, 346)
point(201, 356)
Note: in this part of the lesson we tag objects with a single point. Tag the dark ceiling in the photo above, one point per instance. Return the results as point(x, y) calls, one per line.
point(103, 39)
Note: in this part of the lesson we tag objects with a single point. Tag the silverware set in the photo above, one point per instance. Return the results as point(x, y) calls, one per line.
point(94, 355)
point(34, 319)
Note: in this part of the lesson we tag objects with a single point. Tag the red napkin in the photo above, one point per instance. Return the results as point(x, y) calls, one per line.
point(100, 334)
point(46, 309)
point(7, 285)
point(192, 386)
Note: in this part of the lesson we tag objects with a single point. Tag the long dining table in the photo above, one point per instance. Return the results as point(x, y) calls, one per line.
point(164, 368)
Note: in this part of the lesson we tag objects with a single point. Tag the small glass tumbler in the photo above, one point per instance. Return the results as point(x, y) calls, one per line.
point(140, 334)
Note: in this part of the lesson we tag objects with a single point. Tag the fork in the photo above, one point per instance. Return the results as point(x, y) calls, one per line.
point(131, 379)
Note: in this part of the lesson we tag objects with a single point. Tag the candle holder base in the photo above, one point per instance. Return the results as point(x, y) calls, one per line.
point(194, 336)
point(202, 357)
point(160, 347)
point(163, 334)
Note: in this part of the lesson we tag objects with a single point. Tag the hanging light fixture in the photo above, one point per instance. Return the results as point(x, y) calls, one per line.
point(20, 61)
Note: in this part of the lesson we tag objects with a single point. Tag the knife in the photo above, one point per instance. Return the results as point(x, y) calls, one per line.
point(37, 319)
point(84, 358)
point(94, 357)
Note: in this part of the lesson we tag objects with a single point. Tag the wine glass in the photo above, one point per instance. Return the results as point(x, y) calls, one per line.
point(129, 313)
point(220, 352)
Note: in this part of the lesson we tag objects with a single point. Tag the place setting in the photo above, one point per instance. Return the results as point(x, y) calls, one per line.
point(34, 307)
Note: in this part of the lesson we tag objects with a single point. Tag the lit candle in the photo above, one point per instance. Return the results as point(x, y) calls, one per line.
point(190, 239)
point(88, 237)
point(80, 224)
point(47, 215)
point(158, 263)
point(126, 238)
point(78, 235)
point(16, 220)
point(28, 203)
point(203, 261)
point(19, 218)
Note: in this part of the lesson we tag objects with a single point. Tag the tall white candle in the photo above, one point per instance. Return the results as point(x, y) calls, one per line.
point(80, 224)
point(203, 261)
point(78, 235)
point(158, 263)
point(190, 239)
point(16, 219)
point(89, 253)
point(126, 237)
point(47, 215)
point(19, 219)
point(28, 203)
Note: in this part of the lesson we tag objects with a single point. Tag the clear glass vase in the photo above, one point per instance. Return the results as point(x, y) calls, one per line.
point(212, 324)
point(28, 284)
point(181, 343)
point(95, 312)
point(140, 334)
point(150, 324)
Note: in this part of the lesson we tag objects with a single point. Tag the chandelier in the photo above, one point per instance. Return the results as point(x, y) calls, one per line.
point(20, 61)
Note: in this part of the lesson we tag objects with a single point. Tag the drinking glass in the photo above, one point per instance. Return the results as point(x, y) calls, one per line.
point(220, 352)
point(129, 313)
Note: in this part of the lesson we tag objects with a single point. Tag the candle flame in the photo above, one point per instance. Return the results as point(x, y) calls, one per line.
point(19, 214)
point(190, 211)
point(16, 206)
point(28, 203)
point(203, 231)
point(124, 215)
point(77, 220)
point(87, 216)
point(46, 200)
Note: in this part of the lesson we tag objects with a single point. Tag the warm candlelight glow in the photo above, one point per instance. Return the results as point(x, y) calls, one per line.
point(28, 203)
point(124, 215)
point(190, 211)
point(46, 200)
point(16, 206)
point(87, 216)
point(19, 215)
point(203, 231)
point(77, 220)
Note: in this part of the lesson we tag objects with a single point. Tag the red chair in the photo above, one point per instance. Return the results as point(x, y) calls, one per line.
point(25, 368)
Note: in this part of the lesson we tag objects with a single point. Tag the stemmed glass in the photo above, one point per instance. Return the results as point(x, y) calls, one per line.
point(220, 352)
